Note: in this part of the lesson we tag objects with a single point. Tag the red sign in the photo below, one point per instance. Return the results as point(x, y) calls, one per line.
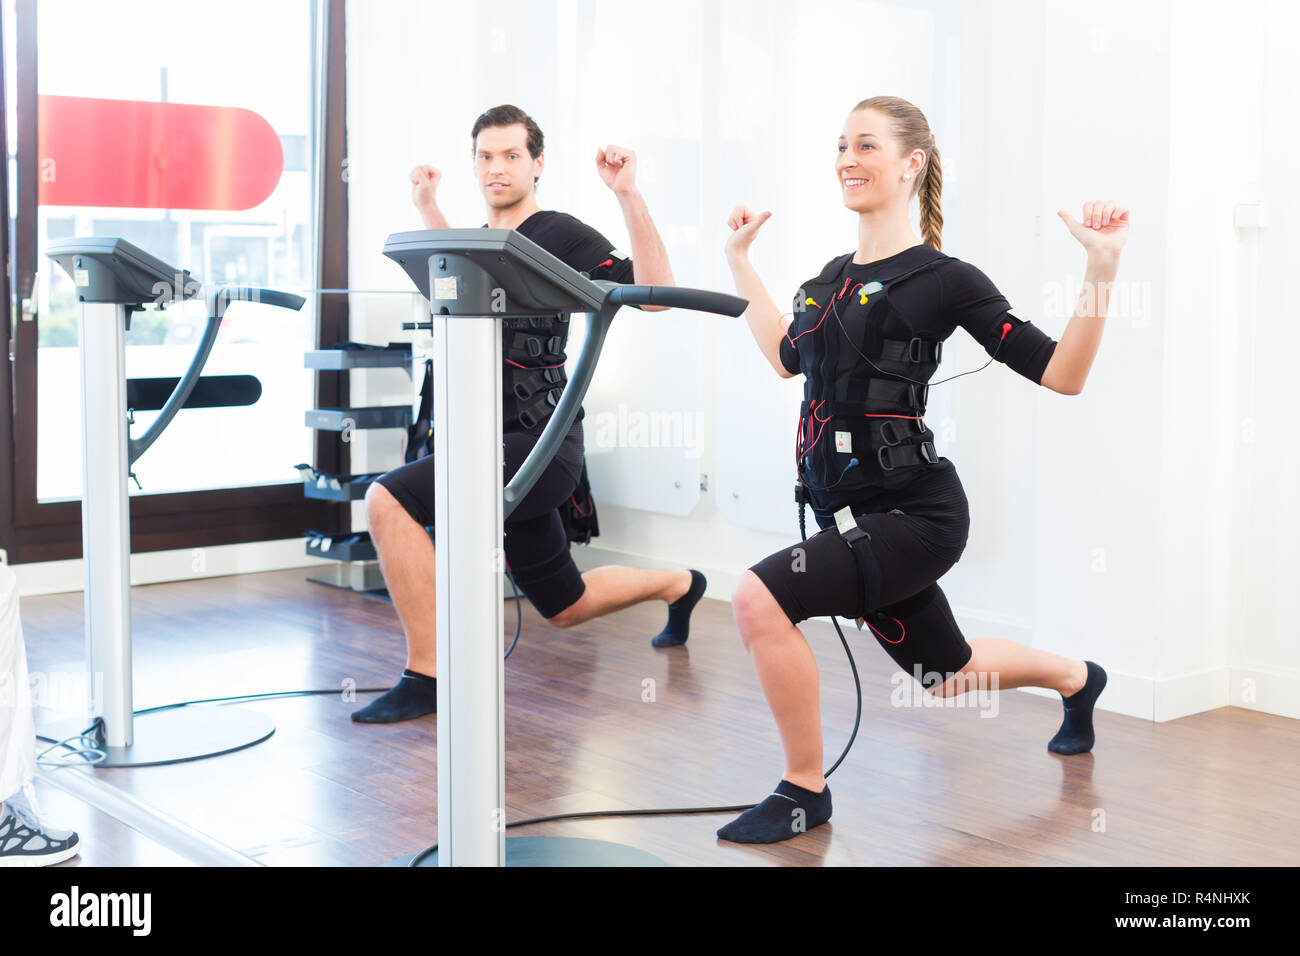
point(146, 155)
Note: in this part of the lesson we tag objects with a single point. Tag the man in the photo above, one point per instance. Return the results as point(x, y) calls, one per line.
point(508, 161)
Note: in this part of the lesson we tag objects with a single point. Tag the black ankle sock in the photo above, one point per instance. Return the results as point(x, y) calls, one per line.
point(678, 627)
point(778, 818)
point(1075, 735)
point(413, 696)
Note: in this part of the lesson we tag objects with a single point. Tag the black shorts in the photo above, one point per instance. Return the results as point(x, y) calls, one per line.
point(905, 554)
point(536, 544)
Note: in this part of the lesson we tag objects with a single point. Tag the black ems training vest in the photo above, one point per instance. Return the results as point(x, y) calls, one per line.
point(533, 351)
point(860, 427)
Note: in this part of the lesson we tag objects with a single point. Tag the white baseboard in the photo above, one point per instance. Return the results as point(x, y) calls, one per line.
point(1269, 690)
point(155, 567)
point(1193, 693)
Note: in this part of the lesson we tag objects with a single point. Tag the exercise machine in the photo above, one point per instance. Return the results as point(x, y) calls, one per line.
point(113, 279)
point(473, 278)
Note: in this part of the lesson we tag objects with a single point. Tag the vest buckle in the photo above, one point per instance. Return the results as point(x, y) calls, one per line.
point(918, 350)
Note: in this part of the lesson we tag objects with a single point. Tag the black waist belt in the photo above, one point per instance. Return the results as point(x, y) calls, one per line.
point(883, 396)
point(829, 408)
point(883, 391)
point(916, 351)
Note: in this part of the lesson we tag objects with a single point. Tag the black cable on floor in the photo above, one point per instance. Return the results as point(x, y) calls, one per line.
point(673, 811)
point(266, 696)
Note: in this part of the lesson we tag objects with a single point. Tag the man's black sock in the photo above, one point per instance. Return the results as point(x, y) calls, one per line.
point(788, 811)
point(1075, 735)
point(413, 696)
point(678, 627)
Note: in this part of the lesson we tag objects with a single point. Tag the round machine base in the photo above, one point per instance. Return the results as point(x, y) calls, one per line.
point(559, 851)
point(175, 736)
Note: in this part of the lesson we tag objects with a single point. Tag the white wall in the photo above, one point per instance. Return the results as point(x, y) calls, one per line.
point(1125, 525)
point(1097, 458)
point(1256, 328)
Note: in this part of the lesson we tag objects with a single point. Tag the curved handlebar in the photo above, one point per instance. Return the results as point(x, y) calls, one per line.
point(575, 391)
point(217, 298)
point(698, 300)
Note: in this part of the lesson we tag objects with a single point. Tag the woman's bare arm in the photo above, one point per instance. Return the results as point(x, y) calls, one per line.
point(1072, 358)
point(1102, 233)
point(766, 320)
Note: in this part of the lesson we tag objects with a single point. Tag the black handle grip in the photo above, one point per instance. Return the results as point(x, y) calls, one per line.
point(697, 300)
point(283, 300)
point(221, 296)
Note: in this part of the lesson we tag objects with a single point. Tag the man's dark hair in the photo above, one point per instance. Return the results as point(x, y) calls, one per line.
point(507, 115)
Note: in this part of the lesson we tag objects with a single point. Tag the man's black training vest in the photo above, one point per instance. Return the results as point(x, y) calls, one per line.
point(532, 349)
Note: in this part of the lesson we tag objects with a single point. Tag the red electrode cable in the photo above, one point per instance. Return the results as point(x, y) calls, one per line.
point(882, 636)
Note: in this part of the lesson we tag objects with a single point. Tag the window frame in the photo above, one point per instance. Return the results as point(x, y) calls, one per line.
point(31, 530)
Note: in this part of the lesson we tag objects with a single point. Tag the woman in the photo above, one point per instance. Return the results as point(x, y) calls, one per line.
point(866, 334)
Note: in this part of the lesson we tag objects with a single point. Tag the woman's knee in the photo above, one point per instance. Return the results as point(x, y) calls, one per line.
point(567, 618)
point(959, 681)
point(754, 607)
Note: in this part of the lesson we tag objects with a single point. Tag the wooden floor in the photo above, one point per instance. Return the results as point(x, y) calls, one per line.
point(951, 785)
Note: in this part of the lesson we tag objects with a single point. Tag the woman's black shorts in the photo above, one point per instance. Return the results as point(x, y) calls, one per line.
point(904, 554)
point(536, 544)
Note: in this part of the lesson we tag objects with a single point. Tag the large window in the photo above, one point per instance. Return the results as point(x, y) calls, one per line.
point(248, 55)
point(200, 133)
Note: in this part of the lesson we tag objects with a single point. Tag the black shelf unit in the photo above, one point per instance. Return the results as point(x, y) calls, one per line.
point(358, 567)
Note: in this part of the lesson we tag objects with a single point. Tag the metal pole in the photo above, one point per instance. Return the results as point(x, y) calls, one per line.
point(468, 515)
point(105, 517)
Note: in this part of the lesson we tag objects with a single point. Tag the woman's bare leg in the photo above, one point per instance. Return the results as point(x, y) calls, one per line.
point(788, 672)
point(999, 664)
